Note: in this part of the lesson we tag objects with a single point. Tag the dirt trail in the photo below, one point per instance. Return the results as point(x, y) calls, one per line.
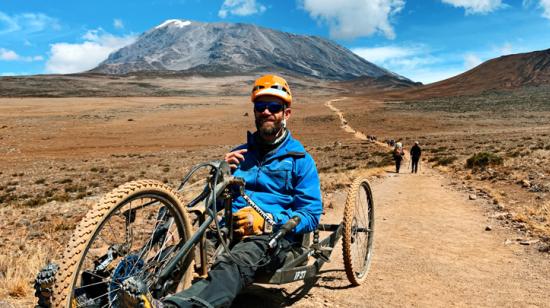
point(432, 250)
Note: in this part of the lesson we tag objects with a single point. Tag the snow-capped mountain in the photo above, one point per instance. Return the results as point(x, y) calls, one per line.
point(179, 45)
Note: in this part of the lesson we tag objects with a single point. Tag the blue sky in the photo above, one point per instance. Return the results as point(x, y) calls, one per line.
point(424, 40)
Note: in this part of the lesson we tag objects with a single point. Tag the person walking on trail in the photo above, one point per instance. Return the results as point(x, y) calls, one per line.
point(281, 177)
point(398, 155)
point(416, 152)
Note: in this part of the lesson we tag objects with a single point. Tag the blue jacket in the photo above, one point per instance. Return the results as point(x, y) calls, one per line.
point(285, 183)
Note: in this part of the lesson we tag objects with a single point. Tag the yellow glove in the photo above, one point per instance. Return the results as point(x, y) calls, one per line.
point(247, 221)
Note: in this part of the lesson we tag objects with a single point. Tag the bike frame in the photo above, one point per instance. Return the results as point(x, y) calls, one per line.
point(321, 250)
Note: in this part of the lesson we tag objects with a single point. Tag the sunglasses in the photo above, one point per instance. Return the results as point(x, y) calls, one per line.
point(273, 107)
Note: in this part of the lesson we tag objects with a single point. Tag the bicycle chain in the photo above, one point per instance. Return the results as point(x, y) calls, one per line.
point(264, 215)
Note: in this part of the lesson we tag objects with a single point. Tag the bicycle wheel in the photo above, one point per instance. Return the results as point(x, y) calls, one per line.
point(132, 232)
point(358, 231)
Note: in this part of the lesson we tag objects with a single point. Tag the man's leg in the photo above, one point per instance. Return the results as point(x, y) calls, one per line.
point(227, 278)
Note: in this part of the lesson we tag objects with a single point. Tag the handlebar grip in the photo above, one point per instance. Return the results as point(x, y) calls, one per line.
point(287, 227)
point(291, 224)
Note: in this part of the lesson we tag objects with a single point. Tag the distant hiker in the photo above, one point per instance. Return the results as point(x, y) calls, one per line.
point(398, 155)
point(416, 152)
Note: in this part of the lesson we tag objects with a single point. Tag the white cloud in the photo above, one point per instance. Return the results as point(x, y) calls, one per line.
point(118, 24)
point(416, 62)
point(10, 55)
point(8, 24)
point(398, 59)
point(240, 8)
point(543, 4)
point(385, 53)
point(27, 23)
point(69, 58)
point(471, 61)
point(348, 19)
point(476, 6)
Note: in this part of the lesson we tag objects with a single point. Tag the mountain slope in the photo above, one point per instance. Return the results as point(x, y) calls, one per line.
point(177, 45)
point(506, 72)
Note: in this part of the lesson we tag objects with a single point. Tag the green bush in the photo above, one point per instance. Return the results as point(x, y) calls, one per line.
point(446, 160)
point(483, 159)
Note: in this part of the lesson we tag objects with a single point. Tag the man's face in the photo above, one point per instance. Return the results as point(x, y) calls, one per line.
point(269, 123)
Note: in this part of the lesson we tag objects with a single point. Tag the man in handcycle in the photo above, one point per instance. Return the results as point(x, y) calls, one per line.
point(282, 179)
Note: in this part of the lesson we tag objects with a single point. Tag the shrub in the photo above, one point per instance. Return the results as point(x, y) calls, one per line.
point(64, 181)
point(446, 160)
point(483, 159)
point(439, 149)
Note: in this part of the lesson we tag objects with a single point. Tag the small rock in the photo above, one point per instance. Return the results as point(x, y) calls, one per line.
point(488, 228)
point(36, 234)
point(527, 242)
point(525, 183)
point(544, 247)
point(507, 242)
point(23, 222)
point(472, 197)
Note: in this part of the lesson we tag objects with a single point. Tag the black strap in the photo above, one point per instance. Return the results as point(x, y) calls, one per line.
point(192, 301)
point(296, 154)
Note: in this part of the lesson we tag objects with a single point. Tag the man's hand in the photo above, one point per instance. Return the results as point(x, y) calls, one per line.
point(247, 221)
point(235, 158)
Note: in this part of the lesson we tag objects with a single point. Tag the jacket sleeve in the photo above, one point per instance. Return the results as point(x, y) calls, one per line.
point(307, 203)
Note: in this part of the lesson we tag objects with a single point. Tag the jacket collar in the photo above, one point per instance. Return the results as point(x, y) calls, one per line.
point(289, 146)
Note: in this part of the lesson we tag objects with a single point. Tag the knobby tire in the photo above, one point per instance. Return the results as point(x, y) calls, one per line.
point(97, 218)
point(355, 210)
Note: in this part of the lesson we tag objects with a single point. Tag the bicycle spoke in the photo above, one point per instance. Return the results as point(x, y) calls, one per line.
point(101, 296)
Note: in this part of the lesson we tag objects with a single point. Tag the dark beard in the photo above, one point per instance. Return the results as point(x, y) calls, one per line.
point(268, 131)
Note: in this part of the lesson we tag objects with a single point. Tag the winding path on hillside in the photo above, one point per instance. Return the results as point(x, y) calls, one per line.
point(431, 250)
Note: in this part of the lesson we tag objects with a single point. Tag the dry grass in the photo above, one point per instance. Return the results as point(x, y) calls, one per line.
point(18, 270)
point(495, 141)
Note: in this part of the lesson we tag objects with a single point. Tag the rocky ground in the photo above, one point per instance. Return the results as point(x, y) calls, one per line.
point(495, 145)
point(58, 156)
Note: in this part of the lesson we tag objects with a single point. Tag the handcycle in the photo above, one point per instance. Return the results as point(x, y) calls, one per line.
point(145, 229)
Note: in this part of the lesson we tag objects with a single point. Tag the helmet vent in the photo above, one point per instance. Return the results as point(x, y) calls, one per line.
point(256, 88)
point(279, 87)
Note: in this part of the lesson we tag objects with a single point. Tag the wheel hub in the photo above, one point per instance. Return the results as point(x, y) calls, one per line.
point(130, 266)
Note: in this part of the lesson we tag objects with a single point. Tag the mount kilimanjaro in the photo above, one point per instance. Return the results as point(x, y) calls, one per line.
point(236, 48)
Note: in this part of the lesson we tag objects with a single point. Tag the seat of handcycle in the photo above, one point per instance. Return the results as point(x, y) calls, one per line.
point(300, 247)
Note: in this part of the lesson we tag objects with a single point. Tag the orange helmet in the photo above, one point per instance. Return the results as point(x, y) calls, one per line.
point(272, 85)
